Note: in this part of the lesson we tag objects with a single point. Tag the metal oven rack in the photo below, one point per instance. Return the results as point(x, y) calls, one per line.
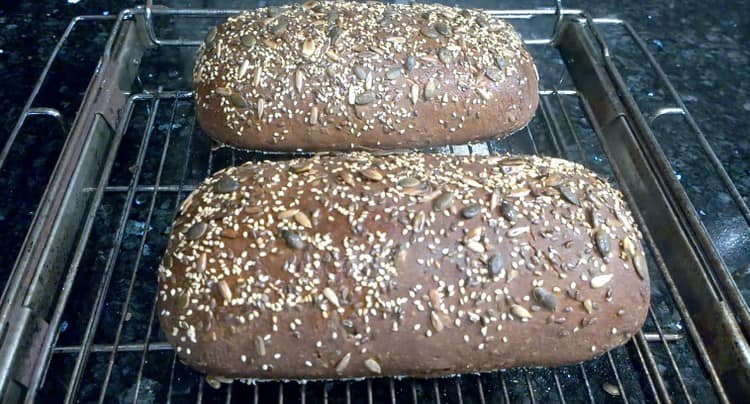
point(78, 317)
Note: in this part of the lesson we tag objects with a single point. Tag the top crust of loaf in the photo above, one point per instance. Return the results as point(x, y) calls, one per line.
point(348, 75)
point(419, 265)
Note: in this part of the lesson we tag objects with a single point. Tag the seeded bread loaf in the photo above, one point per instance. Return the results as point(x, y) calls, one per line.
point(348, 75)
point(419, 265)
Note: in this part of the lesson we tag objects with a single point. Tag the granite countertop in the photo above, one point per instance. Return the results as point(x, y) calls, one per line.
point(701, 46)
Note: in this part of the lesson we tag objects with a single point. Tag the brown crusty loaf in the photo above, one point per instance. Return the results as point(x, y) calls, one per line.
point(421, 265)
point(347, 75)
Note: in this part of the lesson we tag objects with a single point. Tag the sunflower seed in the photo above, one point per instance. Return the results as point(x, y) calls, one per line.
point(292, 239)
point(429, 32)
point(196, 231)
point(248, 40)
point(261, 107)
point(508, 211)
point(352, 95)
point(600, 280)
point(360, 72)
point(474, 234)
point(223, 91)
point(641, 268)
point(302, 220)
point(471, 211)
point(517, 231)
point(569, 195)
point(611, 389)
point(486, 95)
point(429, 89)
point(495, 264)
point(280, 27)
point(414, 94)
point(519, 311)
point(442, 201)
point(270, 43)
point(202, 263)
point(399, 259)
point(435, 298)
point(418, 221)
point(588, 305)
point(603, 243)
point(210, 38)
point(331, 296)
point(409, 182)
point(364, 98)
point(244, 67)
point(442, 28)
point(394, 73)
point(260, 346)
point(368, 81)
point(437, 323)
point(289, 213)
point(183, 300)
point(300, 168)
point(545, 298)
point(299, 80)
point(343, 363)
point(410, 63)
point(628, 247)
point(310, 4)
point(494, 201)
point(308, 48)
point(445, 55)
point(238, 101)
point(226, 184)
point(475, 246)
point(213, 382)
point(256, 77)
point(372, 365)
point(493, 74)
point(226, 293)
point(347, 178)
point(334, 57)
point(313, 116)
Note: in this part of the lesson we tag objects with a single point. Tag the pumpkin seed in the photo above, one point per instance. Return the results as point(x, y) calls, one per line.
point(603, 243)
point(373, 365)
point(260, 346)
point(569, 195)
point(611, 389)
point(196, 231)
point(364, 98)
point(545, 298)
point(445, 55)
point(442, 28)
point(238, 101)
point(493, 74)
point(519, 311)
point(409, 182)
point(437, 323)
point(226, 184)
point(442, 201)
point(292, 239)
point(495, 264)
point(500, 61)
point(371, 174)
point(482, 21)
point(471, 211)
point(394, 73)
point(226, 293)
point(333, 33)
point(302, 220)
point(360, 72)
point(343, 363)
point(410, 63)
point(308, 48)
point(429, 32)
point(223, 91)
point(601, 280)
point(274, 11)
point(429, 89)
point(641, 268)
point(331, 296)
point(280, 26)
point(248, 40)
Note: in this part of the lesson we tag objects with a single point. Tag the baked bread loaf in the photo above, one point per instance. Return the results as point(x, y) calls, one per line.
point(422, 265)
point(346, 75)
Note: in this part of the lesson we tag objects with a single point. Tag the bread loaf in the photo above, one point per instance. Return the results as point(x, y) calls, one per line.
point(348, 75)
point(420, 265)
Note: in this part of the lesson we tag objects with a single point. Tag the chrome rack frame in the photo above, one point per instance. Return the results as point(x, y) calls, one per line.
point(715, 315)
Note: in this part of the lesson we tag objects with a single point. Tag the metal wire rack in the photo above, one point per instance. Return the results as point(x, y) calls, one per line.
point(78, 318)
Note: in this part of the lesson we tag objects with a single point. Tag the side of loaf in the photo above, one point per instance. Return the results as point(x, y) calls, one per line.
point(418, 265)
point(347, 75)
